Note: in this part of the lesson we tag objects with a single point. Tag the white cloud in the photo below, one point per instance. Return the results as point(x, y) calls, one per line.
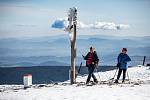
point(83, 25)
point(60, 23)
point(103, 25)
point(123, 26)
point(63, 23)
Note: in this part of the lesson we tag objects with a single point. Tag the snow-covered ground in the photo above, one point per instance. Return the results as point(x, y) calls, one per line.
point(95, 92)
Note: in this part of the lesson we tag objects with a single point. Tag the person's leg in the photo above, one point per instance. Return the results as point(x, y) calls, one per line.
point(118, 76)
point(90, 73)
point(124, 74)
point(93, 76)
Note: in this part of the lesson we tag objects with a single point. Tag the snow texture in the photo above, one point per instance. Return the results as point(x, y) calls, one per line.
point(74, 92)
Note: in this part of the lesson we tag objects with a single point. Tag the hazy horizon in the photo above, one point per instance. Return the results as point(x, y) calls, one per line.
point(35, 28)
point(34, 18)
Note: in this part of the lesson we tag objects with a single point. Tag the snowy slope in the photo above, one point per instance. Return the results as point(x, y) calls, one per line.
point(135, 73)
point(96, 92)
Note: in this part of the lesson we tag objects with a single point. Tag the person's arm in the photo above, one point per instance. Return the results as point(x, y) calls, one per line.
point(119, 58)
point(127, 58)
point(96, 57)
point(118, 61)
point(85, 57)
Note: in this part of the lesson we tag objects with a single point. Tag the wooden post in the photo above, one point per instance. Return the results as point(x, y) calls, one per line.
point(72, 18)
point(144, 60)
point(73, 56)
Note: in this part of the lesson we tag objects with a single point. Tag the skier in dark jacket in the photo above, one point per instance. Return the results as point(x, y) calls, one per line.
point(91, 62)
point(123, 58)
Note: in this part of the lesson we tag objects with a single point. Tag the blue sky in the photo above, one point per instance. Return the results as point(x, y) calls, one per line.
point(32, 18)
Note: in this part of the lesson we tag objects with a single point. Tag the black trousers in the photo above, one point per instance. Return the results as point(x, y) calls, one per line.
point(91, 68)
point(124, 73)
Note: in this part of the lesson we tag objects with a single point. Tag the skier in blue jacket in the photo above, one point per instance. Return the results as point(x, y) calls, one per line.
point(123, 58)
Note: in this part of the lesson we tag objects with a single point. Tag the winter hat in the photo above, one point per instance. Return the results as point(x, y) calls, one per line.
point(124, 49)
point(92, 48)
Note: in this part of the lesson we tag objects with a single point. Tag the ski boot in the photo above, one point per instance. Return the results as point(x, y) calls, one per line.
point(116, 81)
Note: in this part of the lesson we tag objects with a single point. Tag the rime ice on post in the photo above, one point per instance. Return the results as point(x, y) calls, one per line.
point(72, 18)
point(27, 80)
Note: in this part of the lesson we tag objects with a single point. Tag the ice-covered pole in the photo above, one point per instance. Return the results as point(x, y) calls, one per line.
point(72, 18)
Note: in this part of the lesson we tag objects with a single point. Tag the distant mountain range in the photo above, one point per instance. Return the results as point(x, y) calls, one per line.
point(55, 50)
point(33, 61)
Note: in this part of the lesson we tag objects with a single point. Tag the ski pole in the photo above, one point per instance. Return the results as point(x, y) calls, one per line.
point(80, 67)
point(114, 74)
point(97, 71)
point(81, 53)
point(128, 76)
